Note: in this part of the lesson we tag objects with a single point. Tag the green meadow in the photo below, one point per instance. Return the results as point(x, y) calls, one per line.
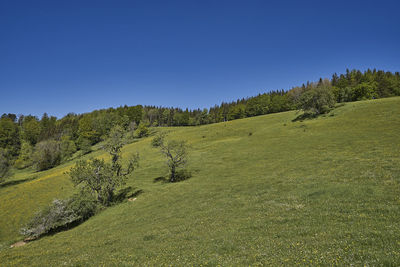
point(265, 191)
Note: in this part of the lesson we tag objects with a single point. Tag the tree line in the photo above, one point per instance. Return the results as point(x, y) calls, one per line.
point(48, 141)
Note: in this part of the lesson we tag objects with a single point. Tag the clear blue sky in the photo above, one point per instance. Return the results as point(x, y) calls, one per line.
point(76, 56)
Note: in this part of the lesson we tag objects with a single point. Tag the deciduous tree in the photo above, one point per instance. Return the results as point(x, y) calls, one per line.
point(101, 178)
point(176, 154)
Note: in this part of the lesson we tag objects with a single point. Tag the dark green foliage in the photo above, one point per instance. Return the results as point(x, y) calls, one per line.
point(236, 112)
point(4, 164)
point(48, 127)
point(258, 105)
point(67, 146)
point(87, 129)
point(84, 145)
point(84, 205)
point(344, 94)
point(182, 118)
point(25, 156)
point(124, 122)
point(47, 154)
point(134, 113)
point(365, 91)
point(68, 125)
point(317, 100)
point(31, 129)
point(355, 85)
point(9, 136)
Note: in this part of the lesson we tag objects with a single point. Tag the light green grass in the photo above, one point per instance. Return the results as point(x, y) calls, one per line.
point(318, 192)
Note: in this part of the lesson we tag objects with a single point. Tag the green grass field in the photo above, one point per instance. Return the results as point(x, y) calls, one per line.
point(318, 192)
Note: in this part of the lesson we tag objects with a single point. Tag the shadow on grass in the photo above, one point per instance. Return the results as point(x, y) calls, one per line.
point(161, 179)
point(126, 193)
point(310, 115)
point(57, 230)
point(180, 175)
point(15, 182)
point(305, 116)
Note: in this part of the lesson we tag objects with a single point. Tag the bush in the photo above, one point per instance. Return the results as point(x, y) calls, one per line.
point(20, 164)
point(83, 205)
point(61, 214)
point(317, 101)
point(47, 155)
point(142, 130)
point(50, 218)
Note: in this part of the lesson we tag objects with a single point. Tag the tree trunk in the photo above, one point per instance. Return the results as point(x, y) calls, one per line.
point(172, 177)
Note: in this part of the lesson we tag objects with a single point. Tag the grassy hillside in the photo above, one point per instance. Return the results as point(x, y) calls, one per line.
point(321, 191)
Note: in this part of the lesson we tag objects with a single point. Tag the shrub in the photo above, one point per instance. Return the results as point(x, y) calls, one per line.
point(20, 164)
point(56, 215)
point(142, 130)
point(47, 154)
point(83, 205)
point(61, 214)
point(317, 101)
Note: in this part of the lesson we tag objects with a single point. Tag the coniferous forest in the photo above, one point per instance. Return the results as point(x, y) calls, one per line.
point(45, 142)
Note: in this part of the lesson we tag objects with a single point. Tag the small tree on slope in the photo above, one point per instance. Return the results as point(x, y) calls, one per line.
point(176, 154)
point(102, 178)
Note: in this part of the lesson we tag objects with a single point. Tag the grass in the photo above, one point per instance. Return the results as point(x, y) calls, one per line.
point(314, 192)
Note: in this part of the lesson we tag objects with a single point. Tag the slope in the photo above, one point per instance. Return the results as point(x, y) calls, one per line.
point(265, 190)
